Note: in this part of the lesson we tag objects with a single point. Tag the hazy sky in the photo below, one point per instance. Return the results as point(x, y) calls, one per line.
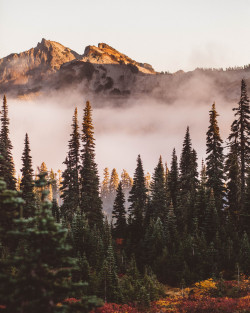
point(169, 34)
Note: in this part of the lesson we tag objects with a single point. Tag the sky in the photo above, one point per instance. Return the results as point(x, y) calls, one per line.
point(168, 34)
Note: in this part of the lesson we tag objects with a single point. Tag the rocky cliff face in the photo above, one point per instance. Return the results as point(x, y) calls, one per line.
point(50, 62)
point(45, 58)
point(104, 54)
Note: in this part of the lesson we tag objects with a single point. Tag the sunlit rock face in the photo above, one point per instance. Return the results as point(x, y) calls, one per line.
point(25, 68)
point(103, 71)
point(51, 65)
point(104, 54)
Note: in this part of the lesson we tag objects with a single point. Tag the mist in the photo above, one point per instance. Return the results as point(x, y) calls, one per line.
point(123, 128)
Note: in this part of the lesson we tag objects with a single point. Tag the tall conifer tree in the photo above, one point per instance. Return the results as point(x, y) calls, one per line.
point(70, 186)
point(7, 168)
point(27, 184)
point(119, 214)
point(214, 159)
point(174, 179)
point(138, 200)
point(90, 203)
point(240, 136)
point(158, 201)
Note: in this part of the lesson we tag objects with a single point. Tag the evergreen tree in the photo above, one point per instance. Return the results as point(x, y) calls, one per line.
point(114, 181)
point(201, 197)
point(214, 159)
point(119, 214)
point(240, 136)
point(43, 266)
point(90, 203)
point(105, 184)
point(158, 201)
point(7, 169)
point(188, 184)
point(138, 200)
point(233, 184)
point(211, 220)
point(174, 179)
point(126, 181)
point(70, 187)
point(27, 184)
point(188, 167)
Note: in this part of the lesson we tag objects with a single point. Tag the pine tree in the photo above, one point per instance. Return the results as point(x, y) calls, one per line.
point(174, 179)
point(43, 265)
point(70, 186)
point(7, 169)
point(211, 219)
point(126, 181)
point(188, 166)
point(105, 184)
point(233, 185)
point(119, 214)
point(138, 200)
point(240, 135)
point(158, 201)
point(214, 159)
point(188, 184)
point(27, 184)
point(114, 181)
point(201, 197)
point(10, 208)
point(90, 204)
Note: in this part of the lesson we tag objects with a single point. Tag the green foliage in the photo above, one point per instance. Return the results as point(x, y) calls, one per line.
point(90, 204)
point(27, 184)
point(7, 169)
point(119, 214)
point(42, 265)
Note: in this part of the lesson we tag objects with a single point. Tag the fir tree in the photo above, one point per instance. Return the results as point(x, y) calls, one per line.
point(90, 204)
point(126, 181)
point(105, 184)
point(174, 179)
point(43, 266)
point(27, 184)
point(114, 181)
point(70, 187)
point(240, 135)
point(158, 201)
point(138, 200)
point(188, 166)
point(188, 184)
point(119, 214)
point(7, 169)
point(214, 159)
point(233, 184)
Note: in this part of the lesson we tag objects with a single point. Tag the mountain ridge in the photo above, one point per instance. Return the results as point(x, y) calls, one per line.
point(103, 70)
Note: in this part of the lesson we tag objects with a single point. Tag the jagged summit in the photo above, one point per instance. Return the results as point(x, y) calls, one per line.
point(105, 54)
point(45, 58)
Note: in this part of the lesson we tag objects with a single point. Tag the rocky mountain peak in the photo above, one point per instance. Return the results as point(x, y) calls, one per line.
point(105, 54)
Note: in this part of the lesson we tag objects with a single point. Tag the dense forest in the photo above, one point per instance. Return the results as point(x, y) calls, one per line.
point(60, 251)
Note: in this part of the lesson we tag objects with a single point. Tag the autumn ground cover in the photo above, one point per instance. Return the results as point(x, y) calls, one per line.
point(203, 297)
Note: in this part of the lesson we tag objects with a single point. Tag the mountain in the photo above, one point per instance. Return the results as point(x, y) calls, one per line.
point(104, 54)
point(102, 70)
point(51, 65)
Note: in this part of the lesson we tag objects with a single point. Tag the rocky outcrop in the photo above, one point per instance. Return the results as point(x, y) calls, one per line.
point(105, 54)
point(51, 65)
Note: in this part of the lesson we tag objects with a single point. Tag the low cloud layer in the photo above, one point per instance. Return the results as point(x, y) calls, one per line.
point(138, 126)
